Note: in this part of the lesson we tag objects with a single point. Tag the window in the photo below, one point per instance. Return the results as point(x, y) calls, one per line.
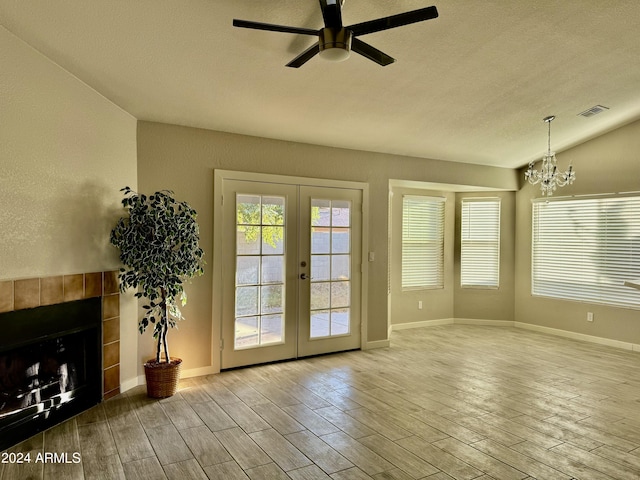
point(585, 248)
point(422, 242)
point(480, 243)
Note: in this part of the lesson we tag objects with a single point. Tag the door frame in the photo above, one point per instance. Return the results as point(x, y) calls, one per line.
point(218, 224)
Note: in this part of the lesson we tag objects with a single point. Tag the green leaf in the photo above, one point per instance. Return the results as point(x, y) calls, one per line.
point(159, 247)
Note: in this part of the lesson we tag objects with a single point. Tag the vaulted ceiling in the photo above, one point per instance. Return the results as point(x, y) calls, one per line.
point(471, 86)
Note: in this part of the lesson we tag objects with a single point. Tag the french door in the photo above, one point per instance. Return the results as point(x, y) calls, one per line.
point(329, 293)
point(291, 271)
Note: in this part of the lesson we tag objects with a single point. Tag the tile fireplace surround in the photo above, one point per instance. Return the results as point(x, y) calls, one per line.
point(35, 292)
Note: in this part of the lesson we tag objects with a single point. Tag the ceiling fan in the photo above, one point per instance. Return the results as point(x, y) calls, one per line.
point(335, 41)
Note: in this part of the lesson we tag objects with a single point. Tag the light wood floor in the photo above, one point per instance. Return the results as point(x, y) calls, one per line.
point(463, 402)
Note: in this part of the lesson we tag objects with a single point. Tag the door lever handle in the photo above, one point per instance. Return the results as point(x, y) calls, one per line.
point(303, 276)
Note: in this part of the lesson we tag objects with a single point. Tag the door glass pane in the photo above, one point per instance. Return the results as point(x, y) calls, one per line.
point(340, 213)
point(247, 237)
point(248, 209)
point(321, 213)
point(271, 297)
point(272, 210)
point(340, 266)
point(272, 240)
point(273, 269)
point(320, 295)
point(320, 240)
point(260, 274)
point(320, 268)
point(340, 240)
point(246, 301)
point(340, 321)
point(247, 270)
point(340, 294)
point(330, 268)
point(246, 332)
point(320, 326)
point(271, 329)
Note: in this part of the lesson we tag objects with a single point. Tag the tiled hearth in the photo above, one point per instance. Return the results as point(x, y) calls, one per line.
point(35, 292)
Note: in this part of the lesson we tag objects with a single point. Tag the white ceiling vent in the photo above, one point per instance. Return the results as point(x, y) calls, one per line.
point(593, 111)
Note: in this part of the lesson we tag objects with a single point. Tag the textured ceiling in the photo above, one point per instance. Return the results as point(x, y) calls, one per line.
point(470, 86)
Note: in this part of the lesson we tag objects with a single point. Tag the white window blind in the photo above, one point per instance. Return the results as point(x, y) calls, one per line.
point(480, 243)
point(584, 249)
point(422, 242)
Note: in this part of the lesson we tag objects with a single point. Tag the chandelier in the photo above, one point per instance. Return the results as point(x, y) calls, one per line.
point(548, 176)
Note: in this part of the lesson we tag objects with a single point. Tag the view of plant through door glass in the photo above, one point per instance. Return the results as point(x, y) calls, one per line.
point(260, 272)
point(330, 267)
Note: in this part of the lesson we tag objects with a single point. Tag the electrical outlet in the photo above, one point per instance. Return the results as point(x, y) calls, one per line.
point(589, 316)
point(419, 304)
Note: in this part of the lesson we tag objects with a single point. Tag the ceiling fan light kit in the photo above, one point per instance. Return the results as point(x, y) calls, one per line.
point(335, 41)
point(335, 45)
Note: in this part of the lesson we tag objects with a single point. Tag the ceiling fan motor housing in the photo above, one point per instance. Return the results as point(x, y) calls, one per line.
point(335, 44)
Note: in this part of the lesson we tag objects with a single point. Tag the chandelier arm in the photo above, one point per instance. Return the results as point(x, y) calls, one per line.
point(532, 176)
point(535, 179)
point(567, 178)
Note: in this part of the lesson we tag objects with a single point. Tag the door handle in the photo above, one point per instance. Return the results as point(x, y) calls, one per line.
point(303, 276)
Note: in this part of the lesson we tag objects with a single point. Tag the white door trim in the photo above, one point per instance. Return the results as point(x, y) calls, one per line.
point(218, 275)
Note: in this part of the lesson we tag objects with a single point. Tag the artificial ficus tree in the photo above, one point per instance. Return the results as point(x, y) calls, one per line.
point(159, 248)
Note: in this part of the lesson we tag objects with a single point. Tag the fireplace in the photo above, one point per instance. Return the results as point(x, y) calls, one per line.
point(50, 366)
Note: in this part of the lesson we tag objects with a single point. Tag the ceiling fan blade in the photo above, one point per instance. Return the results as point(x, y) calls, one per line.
point(331, 13)
point(370, 52)
point(394, 21)
point(273, 28)
point(305, 56)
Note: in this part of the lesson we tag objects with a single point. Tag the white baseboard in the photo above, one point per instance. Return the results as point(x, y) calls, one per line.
point(192, 372)
point(480, 321)
point(198, 372)
point(131, 383)
point(376, 344)
point(579, 336)
point(422, 323)
point(527, 326)
point(449, 321)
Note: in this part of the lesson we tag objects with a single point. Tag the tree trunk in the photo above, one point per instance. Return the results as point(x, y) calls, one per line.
point(164, 340)
point(158, 349)
point(162, 337)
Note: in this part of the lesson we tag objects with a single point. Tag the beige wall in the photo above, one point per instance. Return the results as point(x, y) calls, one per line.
point(65, 151)
point(183, 159)
point(452, 301)
point(489, 304)
point(437, 303)
point(605, 164)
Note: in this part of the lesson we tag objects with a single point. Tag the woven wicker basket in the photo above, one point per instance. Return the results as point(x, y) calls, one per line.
point(162, 378)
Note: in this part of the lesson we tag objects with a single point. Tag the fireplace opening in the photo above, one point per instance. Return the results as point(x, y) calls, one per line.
point(50, 366)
